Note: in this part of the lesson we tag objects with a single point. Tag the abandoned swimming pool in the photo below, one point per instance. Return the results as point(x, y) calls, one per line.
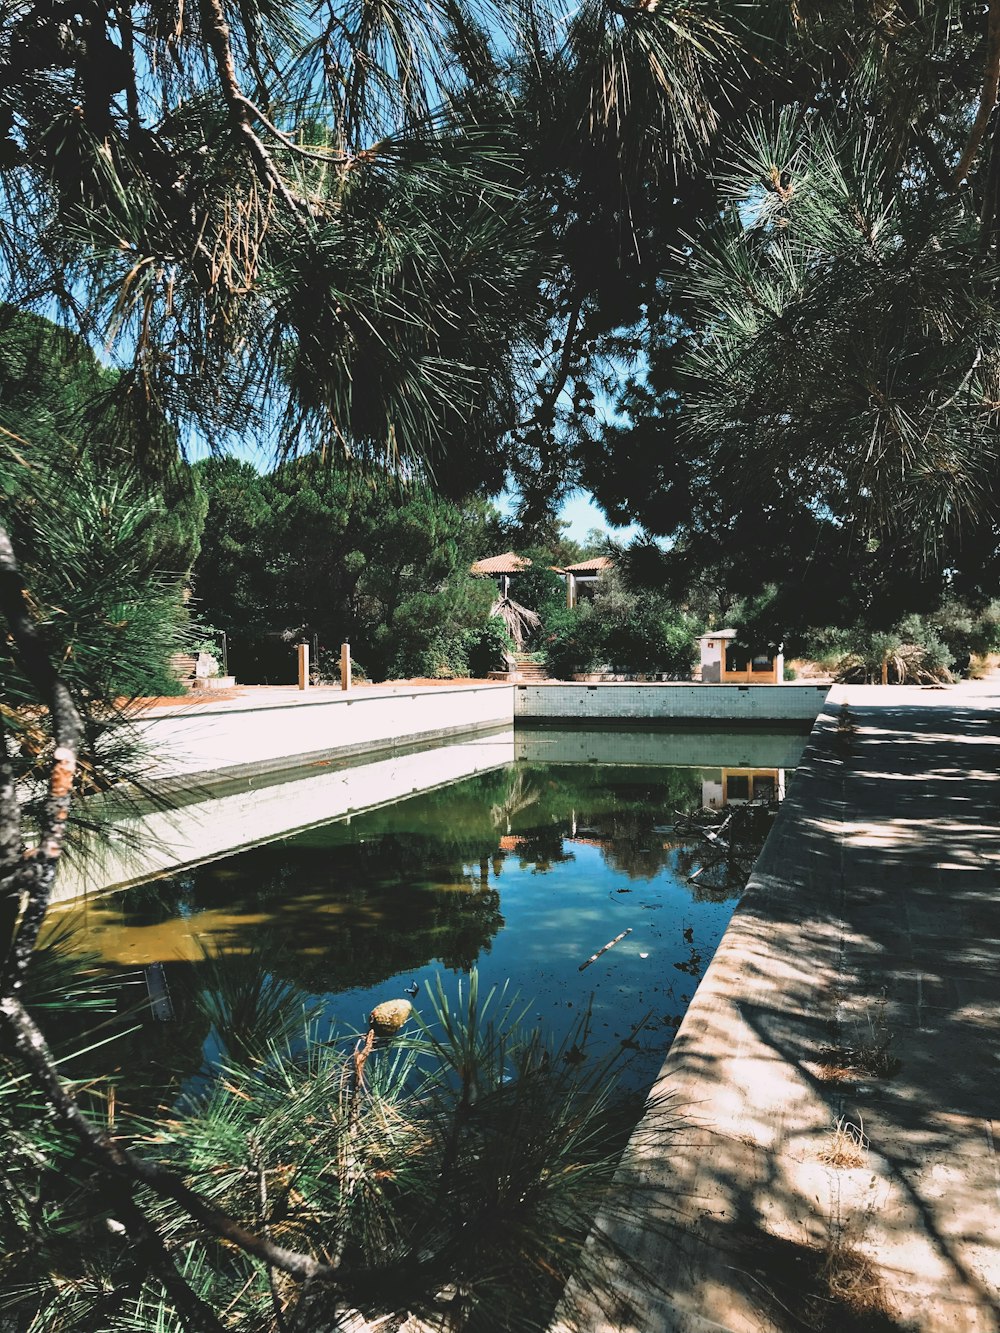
point(525, 872)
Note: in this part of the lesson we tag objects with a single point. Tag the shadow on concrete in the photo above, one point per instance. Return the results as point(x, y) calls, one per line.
point(858, 987)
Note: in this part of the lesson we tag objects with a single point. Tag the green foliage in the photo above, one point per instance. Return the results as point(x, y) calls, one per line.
point(901, 380)
point(233, 581)
point(539, 587)
point(459, 1175)
point(569, 640)
point(312, 550)
point(814, 404)
point(50, 380)
point(917, 649)
point(109, 613)
point(104, 548)
point(489, 648)
point(631, 632)
point(399, 232)
point(909, 654)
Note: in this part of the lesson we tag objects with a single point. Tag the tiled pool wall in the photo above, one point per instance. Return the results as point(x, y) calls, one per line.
point(756, 747)
point(626, 702)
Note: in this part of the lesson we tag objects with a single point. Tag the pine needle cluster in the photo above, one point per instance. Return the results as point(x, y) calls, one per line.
point(448, 1176)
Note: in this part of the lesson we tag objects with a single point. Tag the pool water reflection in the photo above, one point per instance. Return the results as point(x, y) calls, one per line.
point(525, 872)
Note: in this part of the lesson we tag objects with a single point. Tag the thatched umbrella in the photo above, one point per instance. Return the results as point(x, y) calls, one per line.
point(518, 620)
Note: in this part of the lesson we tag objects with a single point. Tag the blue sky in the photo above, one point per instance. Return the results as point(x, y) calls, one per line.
point(582, 514)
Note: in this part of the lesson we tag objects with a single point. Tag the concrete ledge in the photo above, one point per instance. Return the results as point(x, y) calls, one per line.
point(285, 729)
point(614, 703)
point(858, 983)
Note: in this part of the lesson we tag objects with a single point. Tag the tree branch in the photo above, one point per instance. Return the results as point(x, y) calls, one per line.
point(35, 875)
point(11, 848)
point(38, 871)
point(33, 1050)
point(549, 399)
point(195, 1315)
point(241, 109)
point(988, 97)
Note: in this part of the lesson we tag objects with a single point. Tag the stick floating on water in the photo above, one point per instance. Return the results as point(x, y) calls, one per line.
point(610, 944)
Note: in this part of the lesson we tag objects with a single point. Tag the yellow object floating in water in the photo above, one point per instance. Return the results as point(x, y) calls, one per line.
point(389, 1016)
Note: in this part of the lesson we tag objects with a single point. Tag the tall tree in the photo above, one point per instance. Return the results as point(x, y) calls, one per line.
point(319, 552)
point(818, 409)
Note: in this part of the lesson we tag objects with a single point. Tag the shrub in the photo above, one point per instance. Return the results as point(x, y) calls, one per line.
point(488, 648)
point(568, 640)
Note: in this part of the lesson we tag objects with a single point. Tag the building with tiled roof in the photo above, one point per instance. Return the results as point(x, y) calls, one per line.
point(583, 575)
point(500, 567)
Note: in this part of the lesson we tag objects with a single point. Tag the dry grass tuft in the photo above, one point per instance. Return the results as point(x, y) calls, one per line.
point(853, 1287)
point(869, 1057)
point(848, 1145)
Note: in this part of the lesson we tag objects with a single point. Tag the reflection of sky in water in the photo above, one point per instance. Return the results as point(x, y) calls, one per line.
point(554, 922)
point(526, 871)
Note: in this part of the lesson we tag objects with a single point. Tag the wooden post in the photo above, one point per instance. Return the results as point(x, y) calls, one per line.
point(345, 666)
point(303, 666)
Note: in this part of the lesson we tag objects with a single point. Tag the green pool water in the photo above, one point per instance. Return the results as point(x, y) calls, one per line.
point(524, 873)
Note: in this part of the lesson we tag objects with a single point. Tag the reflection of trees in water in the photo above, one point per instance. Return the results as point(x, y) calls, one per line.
point(631, 818)
point(346, 906)
point(521, 794)
point(718, 848)
point(636, 850)
point(539, 850)
point(339, 918)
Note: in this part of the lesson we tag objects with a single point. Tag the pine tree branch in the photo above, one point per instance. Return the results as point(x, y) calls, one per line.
point(988, 97)
point(36, 874)
point(11, 848)
point(272, 1281)
point(547, 403)
point(195, 1314)
point(242, 111)
point(121, 1163)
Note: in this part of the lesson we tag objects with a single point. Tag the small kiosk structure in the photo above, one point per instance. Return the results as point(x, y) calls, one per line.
point(741, 786)
point(723, 663)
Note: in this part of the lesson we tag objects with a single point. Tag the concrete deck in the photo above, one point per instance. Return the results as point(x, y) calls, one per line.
point(859, 983)
point(255, 698)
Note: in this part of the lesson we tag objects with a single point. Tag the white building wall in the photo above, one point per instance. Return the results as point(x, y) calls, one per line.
point(712, 654)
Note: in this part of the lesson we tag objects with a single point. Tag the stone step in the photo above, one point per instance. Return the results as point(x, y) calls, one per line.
point(524, 673)
point(183, 666)
point(531, 671)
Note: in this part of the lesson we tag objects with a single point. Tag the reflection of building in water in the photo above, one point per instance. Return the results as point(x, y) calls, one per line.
point(737, 786)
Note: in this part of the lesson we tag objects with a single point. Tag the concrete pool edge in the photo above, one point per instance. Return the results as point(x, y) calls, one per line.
point(269, 731)
point(729, 1179)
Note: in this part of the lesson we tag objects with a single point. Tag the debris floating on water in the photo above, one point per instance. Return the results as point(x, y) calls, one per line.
point(610, 944)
